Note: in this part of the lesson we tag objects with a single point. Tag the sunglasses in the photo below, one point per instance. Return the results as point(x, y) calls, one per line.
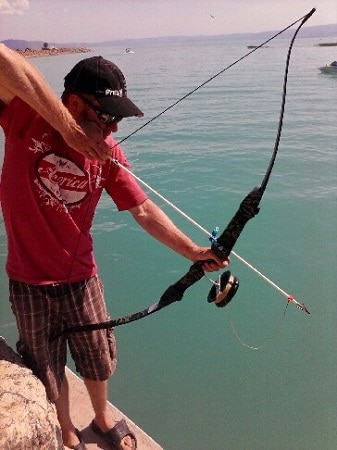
point(105, 118)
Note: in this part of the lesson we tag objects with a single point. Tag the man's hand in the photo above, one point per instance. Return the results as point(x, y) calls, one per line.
point(212, 262)
point(86, 137)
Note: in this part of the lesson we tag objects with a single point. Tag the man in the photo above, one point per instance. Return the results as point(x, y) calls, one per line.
point(55, 167)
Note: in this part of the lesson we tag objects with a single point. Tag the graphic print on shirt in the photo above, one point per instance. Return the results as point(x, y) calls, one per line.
point(61, 182)
point(39, 146)
point(62, 178)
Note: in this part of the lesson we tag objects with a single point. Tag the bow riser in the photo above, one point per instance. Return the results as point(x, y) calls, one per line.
point(249, 207)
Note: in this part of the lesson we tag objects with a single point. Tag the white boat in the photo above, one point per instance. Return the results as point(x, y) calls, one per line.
point(332, 68)
point(128, 50)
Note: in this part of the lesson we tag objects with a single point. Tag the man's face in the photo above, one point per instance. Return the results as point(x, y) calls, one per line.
point(89, 110)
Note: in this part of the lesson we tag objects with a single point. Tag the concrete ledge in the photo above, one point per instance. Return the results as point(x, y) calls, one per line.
point(82, 415)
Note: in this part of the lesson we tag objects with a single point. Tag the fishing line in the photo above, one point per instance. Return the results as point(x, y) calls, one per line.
point(275, 333)
point(7, 325)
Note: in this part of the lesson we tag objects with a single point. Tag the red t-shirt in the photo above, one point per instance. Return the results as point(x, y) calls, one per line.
point(48, 196)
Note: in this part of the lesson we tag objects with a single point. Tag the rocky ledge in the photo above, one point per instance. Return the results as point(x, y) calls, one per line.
point(27, 419)
point(28, 52)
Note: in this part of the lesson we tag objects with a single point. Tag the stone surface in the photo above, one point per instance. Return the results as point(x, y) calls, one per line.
point(27, 419)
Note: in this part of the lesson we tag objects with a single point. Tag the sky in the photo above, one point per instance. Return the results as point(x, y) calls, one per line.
point(104, 20)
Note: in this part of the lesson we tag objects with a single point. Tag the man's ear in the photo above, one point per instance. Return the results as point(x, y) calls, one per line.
point(74, 104)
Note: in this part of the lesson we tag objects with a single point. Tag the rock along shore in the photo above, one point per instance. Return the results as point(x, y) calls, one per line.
point(30, 53)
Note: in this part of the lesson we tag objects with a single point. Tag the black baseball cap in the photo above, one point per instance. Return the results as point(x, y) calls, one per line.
point(105, 81)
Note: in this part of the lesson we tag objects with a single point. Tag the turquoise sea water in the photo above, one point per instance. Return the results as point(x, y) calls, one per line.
point(184, 374)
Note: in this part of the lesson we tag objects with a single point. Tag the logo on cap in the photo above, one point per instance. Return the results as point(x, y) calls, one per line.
point(114, 92)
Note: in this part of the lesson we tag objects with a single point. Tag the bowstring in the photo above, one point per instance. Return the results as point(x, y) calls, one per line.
point(303, 19)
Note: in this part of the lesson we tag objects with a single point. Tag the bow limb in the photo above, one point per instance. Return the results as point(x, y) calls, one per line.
point(172, 294)
point(249, 207)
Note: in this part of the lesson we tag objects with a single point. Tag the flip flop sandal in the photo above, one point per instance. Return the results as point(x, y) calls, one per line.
point(116, 434)
point(81, 445)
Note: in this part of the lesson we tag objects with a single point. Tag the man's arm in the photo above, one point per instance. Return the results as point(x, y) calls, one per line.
point(20, 78)
point(155, 222)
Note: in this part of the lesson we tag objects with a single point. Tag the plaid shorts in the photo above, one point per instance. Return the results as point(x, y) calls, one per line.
point(42, 311)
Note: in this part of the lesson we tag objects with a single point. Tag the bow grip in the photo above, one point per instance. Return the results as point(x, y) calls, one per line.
point(248, 209)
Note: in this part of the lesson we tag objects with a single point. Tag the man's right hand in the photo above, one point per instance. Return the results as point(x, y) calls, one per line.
point(87, 138)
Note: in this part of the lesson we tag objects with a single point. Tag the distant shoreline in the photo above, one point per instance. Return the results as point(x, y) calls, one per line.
point(31, 53)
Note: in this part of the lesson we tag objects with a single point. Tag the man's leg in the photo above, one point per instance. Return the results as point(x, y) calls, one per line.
point(98, 392)
point(32, 306)
point(63, 414)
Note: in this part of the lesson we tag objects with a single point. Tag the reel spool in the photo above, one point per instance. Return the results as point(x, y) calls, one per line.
point(224, 290)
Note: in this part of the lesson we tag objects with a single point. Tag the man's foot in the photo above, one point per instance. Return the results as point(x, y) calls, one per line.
point(120, 437)
point(74, 441)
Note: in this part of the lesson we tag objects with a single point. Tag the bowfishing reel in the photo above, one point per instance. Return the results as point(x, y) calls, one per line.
point(223, 289)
